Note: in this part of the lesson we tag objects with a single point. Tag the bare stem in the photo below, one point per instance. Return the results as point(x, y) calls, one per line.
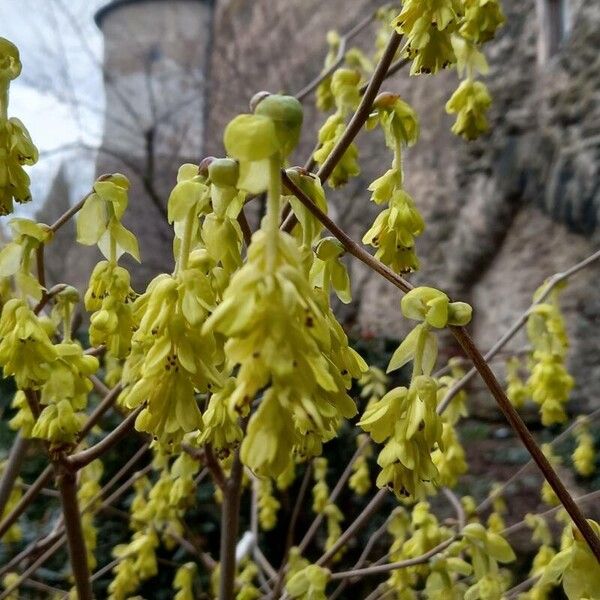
point(12, 468)
point(230, 520)
point(68, 214)
point(85, 457)
point(67, 484)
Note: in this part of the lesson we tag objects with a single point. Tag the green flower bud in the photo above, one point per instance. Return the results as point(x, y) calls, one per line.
point(10, 63)
point(224, 172)
point(329, 248)
point(459, 313)
point(251, 138)
point(287, 114)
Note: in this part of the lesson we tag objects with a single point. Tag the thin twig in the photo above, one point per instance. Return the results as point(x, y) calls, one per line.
point(498, 490)
point(32, 569)
point(68, 214)
point(85, 457)
point(332, 497)
point(12, 468)
point(385, 568)
point(547, 514)
point(339, 59)
point(67, 485)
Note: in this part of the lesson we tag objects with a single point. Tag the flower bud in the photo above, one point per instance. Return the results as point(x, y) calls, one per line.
point(459, 313)
point(224, 172)
point(10, 63)
point(287, 114)
point(257, 99)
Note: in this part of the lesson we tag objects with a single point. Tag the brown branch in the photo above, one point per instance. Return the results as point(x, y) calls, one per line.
point(67, 484)
point(12, 468)
point(85, 457)
point(498, 490)
point(464, 339)
point(68, 214)
point(230, 518)
point(212, 464)
point(385, 568)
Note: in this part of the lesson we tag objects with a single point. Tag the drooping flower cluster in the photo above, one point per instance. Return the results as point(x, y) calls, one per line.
point(309, 583)
point(345, 85)
point(283, 336)
point(396, 228)
point(405, 419)
point(441, 33)
point(584, 455)
point(15, 257)
point(16, 147)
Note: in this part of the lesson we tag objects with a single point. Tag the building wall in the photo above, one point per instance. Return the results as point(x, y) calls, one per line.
point(155, 63)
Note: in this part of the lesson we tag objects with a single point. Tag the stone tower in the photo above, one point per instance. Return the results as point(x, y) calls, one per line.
point(154, 67)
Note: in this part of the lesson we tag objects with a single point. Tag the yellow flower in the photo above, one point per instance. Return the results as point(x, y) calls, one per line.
point(309, 583)
point(16, 147)
point(470, 102)
point(25, 349)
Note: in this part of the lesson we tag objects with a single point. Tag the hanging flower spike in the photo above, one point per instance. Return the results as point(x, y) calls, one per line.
point(395, 230)
point(221, 231)
point(99, 220)
point(26, 351)
point(329, 271)
point(281, 335)
point(16, 147)
point(426, 27)
point(481, 20)
point(309, 583)
point(184, 582)
point(584, 455)
point(470, 103)
point(345, 87)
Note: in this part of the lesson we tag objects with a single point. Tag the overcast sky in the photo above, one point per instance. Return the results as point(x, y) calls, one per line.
point(59, 94)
